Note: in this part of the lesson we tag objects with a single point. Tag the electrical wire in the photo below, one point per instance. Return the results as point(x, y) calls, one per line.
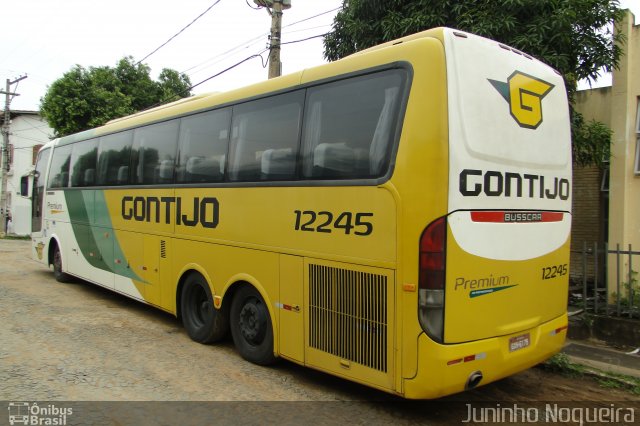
point(311, 17)
point(257, 55)
point(187, 90)
point(254, 40)
point(229, 52)
point(179, 32)
point(252, 7)
point(30, 139)
point(33, 127)
point(304, 39)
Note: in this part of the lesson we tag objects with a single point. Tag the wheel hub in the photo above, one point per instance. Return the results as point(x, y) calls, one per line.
point(251, 323)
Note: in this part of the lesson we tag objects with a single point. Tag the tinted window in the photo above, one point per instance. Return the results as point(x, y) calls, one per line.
point(264, 138)
point(114, 156)
point(59, 172)
point(350, 125)
point(203, 147)
point(83, 163)
point(154, 152)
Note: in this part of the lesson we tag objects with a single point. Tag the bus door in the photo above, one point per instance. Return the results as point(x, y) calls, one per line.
point(37, 199)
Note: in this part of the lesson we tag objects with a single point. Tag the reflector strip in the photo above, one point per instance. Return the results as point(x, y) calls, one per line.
point(468, 358)
point(558, 330)
point(516, 216)
point(293, 308)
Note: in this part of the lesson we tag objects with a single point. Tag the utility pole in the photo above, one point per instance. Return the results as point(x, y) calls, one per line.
point(5, 151)
point(275, 8)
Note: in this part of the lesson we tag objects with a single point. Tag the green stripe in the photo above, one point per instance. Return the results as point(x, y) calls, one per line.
point(91, 238)
point(477, 293)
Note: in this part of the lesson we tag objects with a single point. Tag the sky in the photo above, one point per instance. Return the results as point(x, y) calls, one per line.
point(49, 37)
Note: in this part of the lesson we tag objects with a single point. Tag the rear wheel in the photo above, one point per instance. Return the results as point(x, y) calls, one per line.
point(61, 276)
point(203, 322)
point(251, 326)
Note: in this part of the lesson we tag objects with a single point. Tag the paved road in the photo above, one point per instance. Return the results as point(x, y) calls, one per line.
point(79, 342)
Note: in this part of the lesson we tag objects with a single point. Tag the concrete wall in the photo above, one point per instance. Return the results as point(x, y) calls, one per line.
point(624, 207)
point(618, 106)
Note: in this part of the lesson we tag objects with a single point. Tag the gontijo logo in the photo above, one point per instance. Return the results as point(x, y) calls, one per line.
point(524, 93)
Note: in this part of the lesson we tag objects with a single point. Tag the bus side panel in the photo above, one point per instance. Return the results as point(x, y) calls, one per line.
point(350, 318)
point(419, 184)
point(290, 308)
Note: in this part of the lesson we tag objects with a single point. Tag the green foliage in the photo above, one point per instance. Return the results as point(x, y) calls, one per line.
point(591, 141)
point(85, 98)
point(627, 383)
point(631, 289)
point(560, 363)
point(573, 36)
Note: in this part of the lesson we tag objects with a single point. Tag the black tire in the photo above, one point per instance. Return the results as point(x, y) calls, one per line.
point(251, 327)
point(204, 323)
point(58, 273)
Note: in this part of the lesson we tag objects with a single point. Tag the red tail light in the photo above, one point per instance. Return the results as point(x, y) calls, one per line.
point(431, 278)
point(432, 255)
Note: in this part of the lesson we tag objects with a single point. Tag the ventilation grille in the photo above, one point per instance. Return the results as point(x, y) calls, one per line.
point(163, 249)
point(348, 315)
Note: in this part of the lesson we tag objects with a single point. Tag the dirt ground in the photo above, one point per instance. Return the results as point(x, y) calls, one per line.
point(79, 342)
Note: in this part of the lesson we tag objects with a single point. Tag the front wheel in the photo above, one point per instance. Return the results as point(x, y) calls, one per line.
point(203, 322)
point(251, 326)
point(61, 277)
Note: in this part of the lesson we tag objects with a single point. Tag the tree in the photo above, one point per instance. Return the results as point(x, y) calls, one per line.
point(85, 98)
point(573, 36)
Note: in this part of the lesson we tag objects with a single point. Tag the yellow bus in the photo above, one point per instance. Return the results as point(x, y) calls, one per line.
point(399, 218)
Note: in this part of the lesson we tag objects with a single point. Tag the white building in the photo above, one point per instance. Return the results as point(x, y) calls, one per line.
point(28, 132)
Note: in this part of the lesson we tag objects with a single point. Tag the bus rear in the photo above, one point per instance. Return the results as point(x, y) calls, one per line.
point(493, 271)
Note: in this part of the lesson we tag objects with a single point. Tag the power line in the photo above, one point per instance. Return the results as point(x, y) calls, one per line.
point(257, 55)
point(305, 39)
point(255, 39)
point(229, 52)
point(311, 17)
point(246, 47)
point(187, 90)
point(252, 7)
point(33, 127)
point(179, 32)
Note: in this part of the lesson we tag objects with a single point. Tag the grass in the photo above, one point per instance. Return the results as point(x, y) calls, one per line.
point(15, 237)
point(561, 364)
point(619, 381)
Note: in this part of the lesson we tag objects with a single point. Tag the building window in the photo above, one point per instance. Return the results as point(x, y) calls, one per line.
point(36, 149)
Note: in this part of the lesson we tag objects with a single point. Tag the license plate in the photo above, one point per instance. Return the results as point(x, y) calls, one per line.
point(519, 342)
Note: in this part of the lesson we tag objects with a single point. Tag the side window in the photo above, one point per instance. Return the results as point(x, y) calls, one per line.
point(59, 171)
point(203, 147)
point(83, 163)
point(264, 138)
point(154, 153)
point(114, 156)
point(350, 125)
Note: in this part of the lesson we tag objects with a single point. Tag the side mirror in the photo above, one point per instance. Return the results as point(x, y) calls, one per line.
point(24, 186)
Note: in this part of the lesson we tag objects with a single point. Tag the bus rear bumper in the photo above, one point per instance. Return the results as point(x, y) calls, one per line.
point(446, 369)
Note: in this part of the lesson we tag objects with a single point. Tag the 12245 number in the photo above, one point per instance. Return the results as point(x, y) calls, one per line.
point(327, 222)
